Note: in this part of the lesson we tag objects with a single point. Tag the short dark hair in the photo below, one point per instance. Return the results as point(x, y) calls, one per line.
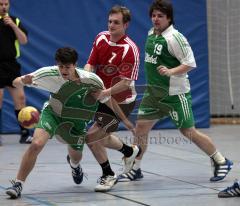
point(165, 6)
point(123, 10)
point(66, 55)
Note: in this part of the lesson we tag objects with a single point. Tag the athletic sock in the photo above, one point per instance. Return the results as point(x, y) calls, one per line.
point(218, 157)
point(126, 150)
point(137, 164)
point(106, 169)
point(74, 165)
point(22, 182)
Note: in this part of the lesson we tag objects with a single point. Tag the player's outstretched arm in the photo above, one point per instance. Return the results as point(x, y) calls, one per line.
point(112, 103)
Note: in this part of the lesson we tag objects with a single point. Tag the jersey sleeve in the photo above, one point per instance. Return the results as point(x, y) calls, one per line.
point(45, 78)
point(181, 49)
point(130, 64)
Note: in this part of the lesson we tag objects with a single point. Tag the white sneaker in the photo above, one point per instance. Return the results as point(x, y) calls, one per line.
point(106, 183)
point(128, 161)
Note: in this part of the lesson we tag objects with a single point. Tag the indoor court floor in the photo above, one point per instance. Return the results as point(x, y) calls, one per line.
point(175, 172)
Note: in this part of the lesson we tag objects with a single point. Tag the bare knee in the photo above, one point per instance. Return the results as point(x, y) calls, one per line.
point(35, 147)
point(94, 139)
point(90, 145)
point(94, 145)
point(91, 142)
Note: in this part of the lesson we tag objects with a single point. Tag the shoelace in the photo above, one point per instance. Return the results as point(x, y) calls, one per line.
point(76, 171)
point(105, 179)
point(102, 180)
point(85, 175)
point(79, 171)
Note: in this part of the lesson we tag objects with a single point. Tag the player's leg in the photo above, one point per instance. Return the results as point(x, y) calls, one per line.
point(41, 135)
point(143, 127)
point(2, 85)
point(71, 132)
point(148, 115)
point(40, 138)
point(201, 140)
point(74, 157)
point(12, 69)
point(129, 152)
point(94, 140)
point(112, 141)
point(1, 124)
point(221, 164)
point(99, 136)
point(19, 100)
point(182, 116)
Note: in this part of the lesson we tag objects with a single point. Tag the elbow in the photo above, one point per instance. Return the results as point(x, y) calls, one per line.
point(25, 41)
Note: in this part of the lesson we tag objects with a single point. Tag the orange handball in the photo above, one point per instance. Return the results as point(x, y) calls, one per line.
point(28, 117)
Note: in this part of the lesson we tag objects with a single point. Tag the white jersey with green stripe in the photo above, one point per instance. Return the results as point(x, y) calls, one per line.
point(69, 98)
point(50, 79)
point(170, 49)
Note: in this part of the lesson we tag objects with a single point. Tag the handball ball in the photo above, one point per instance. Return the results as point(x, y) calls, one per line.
point(28, 117)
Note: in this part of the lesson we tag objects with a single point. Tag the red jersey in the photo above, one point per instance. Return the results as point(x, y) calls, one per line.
point(115, 61)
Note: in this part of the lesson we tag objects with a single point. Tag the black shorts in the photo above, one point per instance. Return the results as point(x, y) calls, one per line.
point(108, 120)
point(9, 70)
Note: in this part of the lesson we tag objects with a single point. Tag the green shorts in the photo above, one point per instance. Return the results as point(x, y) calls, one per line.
point(66, 130)
point(178, 107)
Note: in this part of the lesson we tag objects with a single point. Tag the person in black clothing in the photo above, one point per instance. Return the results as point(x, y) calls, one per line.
point(12, 33)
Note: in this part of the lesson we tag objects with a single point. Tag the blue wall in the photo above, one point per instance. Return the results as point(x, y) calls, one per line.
point(56, 23)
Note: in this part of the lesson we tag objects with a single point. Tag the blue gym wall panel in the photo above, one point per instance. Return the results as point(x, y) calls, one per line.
point(56, 23)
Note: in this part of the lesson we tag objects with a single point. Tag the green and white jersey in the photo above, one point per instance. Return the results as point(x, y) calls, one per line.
point(69, 99)
point(169, 49)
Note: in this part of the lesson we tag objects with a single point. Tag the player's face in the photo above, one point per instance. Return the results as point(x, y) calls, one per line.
point(4, 7)
point(67, 71)
point(160, 21)
point(116, 27)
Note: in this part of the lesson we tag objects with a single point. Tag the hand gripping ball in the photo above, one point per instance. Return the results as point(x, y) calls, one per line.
point(28, 117)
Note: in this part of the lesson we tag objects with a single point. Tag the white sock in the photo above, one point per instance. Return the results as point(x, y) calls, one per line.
point(22, 182)
point(74, 165)
point(218, 157)
point(137, 164)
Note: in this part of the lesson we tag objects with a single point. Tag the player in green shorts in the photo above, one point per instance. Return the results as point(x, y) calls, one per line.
point(72, 104)
point(168, 58)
